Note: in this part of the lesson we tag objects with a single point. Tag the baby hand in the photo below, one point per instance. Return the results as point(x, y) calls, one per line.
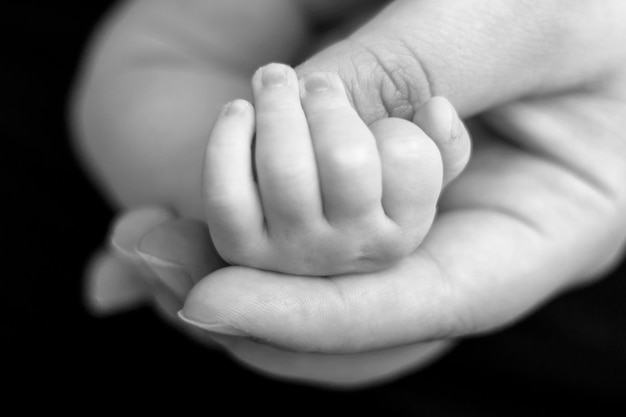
point(329, 194)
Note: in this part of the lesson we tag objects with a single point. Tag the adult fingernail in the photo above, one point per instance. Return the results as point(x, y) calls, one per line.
point(170, 274)
point(274, 75)
point(120, 249)
point(129, 228)
point(221, 328)
point(134, 260)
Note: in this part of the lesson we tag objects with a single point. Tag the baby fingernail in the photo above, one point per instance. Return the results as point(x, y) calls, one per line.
point(221, 328)
point(274, 76)
point(235, 107)
point(170, 274)
point(316, 83)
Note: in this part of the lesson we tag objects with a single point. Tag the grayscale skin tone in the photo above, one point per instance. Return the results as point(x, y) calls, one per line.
point(538, 210)
point(330, 195)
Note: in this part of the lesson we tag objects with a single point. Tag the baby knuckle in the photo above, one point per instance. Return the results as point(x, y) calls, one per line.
point(348, 158)
point(402, 147)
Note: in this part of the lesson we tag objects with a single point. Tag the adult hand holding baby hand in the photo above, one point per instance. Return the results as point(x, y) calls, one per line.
point(327, 195)
point(539, 210)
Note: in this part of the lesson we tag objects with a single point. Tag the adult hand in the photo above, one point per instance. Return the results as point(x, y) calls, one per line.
point(154, 257)
point(539, 210)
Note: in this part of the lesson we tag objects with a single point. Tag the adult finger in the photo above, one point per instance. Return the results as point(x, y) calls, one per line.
point(182, 247)
point(115, 279)
point(180, 251)
point(351, 371)
point(438, 119)
point(113, 285)
point(476, 53)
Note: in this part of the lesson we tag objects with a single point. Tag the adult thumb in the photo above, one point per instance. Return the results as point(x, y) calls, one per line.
point(477, 53)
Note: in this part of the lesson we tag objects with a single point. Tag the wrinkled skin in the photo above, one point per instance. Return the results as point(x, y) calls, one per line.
point(539, 210)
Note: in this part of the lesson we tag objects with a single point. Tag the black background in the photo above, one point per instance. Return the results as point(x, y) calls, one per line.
point(567, 359)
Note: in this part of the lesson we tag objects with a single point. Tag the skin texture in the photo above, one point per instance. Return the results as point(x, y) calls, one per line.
point(327, 195)
point(539, 209)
